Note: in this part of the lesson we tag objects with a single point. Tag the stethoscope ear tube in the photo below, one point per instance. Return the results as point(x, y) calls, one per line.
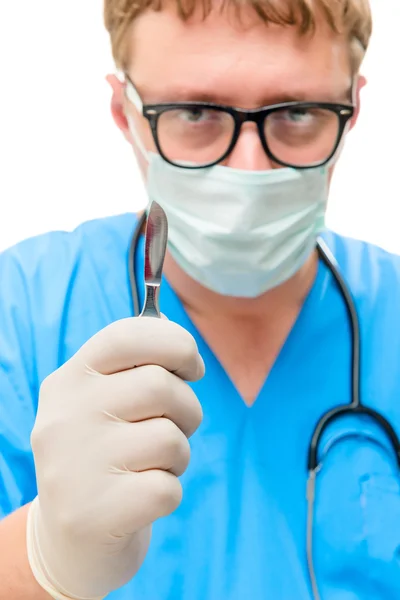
point(330, 262)
point(355, 406)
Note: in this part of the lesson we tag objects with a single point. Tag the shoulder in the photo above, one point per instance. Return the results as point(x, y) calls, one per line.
point(373, 277)
point(58, 259)
point(57, 249)
point(60, 288)
point(370, 271)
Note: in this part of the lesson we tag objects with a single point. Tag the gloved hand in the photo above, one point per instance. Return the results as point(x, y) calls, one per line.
point(109, 442)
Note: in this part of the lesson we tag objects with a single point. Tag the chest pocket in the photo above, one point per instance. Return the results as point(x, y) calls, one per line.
point(357, 514)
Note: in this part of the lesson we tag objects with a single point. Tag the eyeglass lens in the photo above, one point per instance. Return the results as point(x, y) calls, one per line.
point(299, 136)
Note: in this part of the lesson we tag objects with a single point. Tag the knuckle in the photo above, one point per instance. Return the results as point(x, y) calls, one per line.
point(113, 335)
point(35, 440)
point(171, 437)
point(196, 411)
point(158, 377)
point(175, 448)
point(113, 339)
point(157, 381)
point(46, 387)
point(184, 460)
point(39, 438)
point(51, 392)
point(167, 493)
point(189, 348)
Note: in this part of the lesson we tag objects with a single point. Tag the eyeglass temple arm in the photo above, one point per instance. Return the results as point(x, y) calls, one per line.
point(133, 95)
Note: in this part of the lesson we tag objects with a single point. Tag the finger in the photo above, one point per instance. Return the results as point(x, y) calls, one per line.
point(139, 341)
point(153, 444)
point(150, 392)
point(142, 498)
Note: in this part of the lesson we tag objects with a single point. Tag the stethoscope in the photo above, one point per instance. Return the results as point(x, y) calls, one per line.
point(353, 407)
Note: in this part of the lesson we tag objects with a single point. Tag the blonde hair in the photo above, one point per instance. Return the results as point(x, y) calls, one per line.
point(347, 17)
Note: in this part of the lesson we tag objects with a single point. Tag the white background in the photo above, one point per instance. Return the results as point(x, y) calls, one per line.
point(62, 161)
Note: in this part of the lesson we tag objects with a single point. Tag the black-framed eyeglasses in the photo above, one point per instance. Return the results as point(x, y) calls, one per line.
point(197, 135)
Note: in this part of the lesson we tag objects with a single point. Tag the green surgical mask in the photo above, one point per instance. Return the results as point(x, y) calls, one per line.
point(239, 233)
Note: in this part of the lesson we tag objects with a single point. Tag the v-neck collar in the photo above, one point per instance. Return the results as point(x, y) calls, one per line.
point(172, 307)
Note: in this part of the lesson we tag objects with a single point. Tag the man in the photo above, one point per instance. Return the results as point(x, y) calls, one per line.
point(237, 114)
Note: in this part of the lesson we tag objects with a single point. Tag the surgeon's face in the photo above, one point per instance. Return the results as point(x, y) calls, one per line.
point(247, 65)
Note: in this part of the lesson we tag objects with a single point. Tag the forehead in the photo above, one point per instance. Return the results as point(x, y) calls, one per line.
point(245, 63)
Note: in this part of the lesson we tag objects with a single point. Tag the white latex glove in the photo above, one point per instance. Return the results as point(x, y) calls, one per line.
point(109, 442)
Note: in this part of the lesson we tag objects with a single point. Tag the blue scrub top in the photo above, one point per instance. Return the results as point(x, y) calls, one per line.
point(240, 532)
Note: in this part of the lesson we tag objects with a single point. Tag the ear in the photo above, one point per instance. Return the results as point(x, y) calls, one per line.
point(361, 83)
point(118, 104)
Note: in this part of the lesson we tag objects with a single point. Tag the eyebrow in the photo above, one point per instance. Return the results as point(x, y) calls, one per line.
point(184, 94)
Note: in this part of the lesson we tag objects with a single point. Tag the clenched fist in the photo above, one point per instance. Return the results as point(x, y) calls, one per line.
point(110, 440)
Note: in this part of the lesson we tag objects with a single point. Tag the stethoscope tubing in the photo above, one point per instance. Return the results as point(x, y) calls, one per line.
point(355, 406)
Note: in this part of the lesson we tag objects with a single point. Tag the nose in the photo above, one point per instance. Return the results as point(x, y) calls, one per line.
point(248, 153)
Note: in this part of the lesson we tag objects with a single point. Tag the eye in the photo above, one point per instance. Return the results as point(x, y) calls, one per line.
point(298, 114)
point(195, 114)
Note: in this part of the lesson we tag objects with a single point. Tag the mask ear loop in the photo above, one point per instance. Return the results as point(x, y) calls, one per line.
point(133, 97)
